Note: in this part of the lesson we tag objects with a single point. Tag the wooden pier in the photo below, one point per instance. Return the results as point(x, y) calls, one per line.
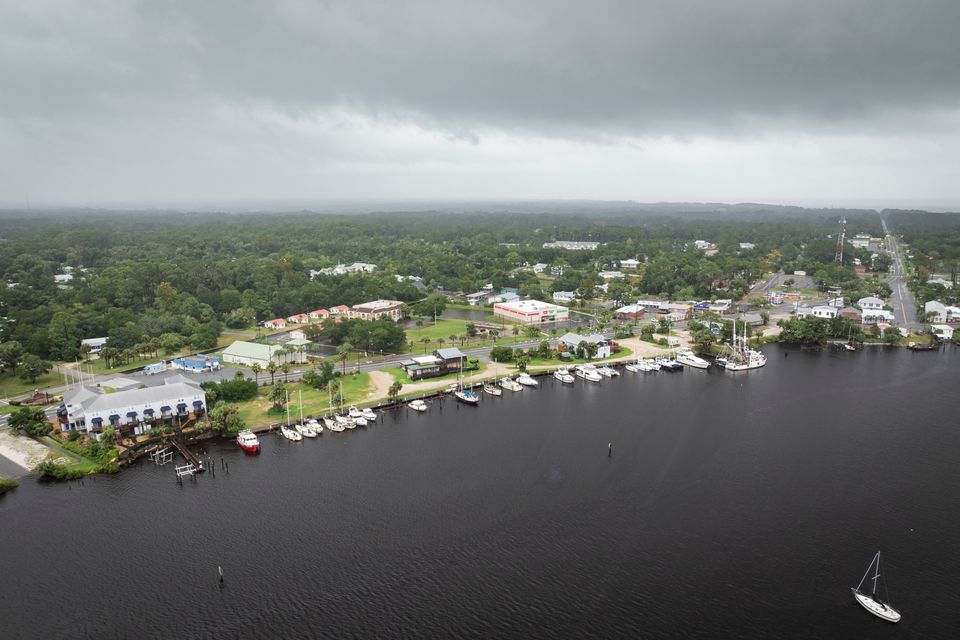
point(187, 455)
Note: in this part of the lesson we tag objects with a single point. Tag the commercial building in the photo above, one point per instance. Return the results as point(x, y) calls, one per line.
point(377, 309)
point(630, 312)
point(530, 311)
point(197, 363)
point(130, 412)
point(439, 363)
point(251, 353)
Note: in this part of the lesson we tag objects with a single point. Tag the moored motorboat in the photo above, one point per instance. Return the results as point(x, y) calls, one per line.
point(588, 373)
point(332, 424)
point(315, 424)
point(345, 421)
point(608, 372)
point(369, 415)
point(689, 358)
point(669, 364)
point(418, 405)
point(563, 376)
point(527, 380)
point(248, 441)
point(634, 367)
point(357, 416)
point(510, 385)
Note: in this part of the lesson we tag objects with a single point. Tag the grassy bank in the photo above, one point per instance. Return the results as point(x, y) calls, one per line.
point(444, 328)
point(7, 484)
point(11, 385)
point(258, 411)
point(557, 362)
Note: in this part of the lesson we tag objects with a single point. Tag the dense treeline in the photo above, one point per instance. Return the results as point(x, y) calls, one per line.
point(934, 240)
point(155, 282)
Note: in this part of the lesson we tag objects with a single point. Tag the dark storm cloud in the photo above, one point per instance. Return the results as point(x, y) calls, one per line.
point(562, 68)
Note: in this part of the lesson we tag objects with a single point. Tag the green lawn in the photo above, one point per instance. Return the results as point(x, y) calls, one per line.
point(401, 375)
point(11, 385)
point(540, 362)
point(445, 328)
point(255, 412)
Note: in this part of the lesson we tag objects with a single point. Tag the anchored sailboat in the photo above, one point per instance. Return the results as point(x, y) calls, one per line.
point(870, 601)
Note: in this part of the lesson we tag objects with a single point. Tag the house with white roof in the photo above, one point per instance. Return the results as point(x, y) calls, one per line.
point(572, 340)
point(875, 316)
point(612, 275)
point(95, 344)
point(629, 263)
point(942, 331)
point(870, 302)
point(564, 296)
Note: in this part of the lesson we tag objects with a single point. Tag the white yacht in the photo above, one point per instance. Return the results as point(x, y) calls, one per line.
point(649, 365)
point(527, 380)
point(669, 364)
point(358, 417)
point(510, 385)
point(418, 405)
point(345, 421)
point(563, 376)
point(588, 372)
point(690, 359)
point(369, 415)
point(608, 372)
point(634, 367)
point(305, 430)
point(870, 601)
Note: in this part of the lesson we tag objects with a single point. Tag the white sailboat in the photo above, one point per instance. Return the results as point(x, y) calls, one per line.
point(462, 394)
point(286, 430)
point(491, 389)
point(304, 429)
point(870, 601)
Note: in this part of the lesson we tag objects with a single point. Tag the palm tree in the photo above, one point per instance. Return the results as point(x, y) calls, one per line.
point(285, 367)
point(453, 339)
point(394, 390)
point(343, 352)
point(256, 368)
point(516, 330)
point(272, 368)
point(425, 340)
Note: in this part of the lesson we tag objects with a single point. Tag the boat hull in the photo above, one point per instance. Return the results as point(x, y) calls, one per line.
point(878, 609)
point(249, 449)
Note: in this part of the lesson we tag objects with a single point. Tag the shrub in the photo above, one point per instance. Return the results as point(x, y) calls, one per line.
point(50, 470)
point(6, 484)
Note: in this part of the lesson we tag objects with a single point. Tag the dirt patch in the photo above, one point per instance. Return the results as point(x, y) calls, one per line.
point(22, 451)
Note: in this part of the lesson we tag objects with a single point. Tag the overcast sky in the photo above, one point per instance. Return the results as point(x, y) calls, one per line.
point(836, 102)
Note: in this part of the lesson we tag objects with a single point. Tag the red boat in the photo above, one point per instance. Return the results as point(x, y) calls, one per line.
point(248, 441)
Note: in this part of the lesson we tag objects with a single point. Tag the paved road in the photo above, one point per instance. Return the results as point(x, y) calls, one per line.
point(904, 306)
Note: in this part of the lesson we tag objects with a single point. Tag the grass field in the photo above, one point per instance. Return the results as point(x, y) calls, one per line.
point(11, 385)
point(401, 375)
point(445, 328)
point(255, 412)
point(540, 362)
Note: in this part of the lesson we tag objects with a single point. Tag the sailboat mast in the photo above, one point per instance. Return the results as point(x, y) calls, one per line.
point(877, 574)
point(286, 395)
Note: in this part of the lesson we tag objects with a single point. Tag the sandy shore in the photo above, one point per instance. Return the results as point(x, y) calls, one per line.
point(22, 451)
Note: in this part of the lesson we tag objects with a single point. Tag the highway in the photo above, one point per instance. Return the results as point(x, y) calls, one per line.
point(904, 306)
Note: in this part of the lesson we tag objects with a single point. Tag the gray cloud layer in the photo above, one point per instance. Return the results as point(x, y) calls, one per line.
point(77, 75)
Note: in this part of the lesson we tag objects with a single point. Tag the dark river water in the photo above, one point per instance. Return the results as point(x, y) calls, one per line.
point(734, 506)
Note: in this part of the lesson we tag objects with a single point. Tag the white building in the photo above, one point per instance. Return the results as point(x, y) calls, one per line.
point(564, 296)
point(502, 297)
point(530, 311)
point(344, 269)
point(377, 309)
point(611, 275)
point(941, 312)
point(869, 303)
point(95, 344)
point(942, 331)
point(940, 280)
point(820, 311)
point(63, 278)
point(875, 316)
point(251, 353)
point(540, 267)
point(703, 245)
point(747, 245)
point(572, 341)
point(629, 263)
point(135, 410)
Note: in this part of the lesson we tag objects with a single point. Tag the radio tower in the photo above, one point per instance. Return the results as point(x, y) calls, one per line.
point(840, 238)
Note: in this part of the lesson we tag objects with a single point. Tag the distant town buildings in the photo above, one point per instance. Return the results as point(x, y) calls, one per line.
point(629, 263)
point(564, 296)
point(612, 275)
point(746, 246)
point(571, 245)
point(344, 269)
